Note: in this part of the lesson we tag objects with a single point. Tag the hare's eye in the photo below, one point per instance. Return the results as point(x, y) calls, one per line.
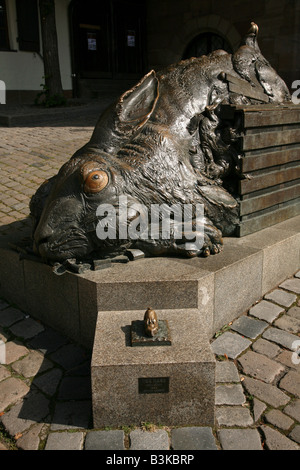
point(95, 181)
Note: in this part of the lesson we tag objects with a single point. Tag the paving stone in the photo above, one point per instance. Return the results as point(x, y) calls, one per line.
point(279, 419)
point(277, 441)
point(33, 408)
point(3, 304)
point(265, 310)
point(294, 312)
point(293, 410)
point(69, 356)
point(193, 438)
point(33, 363)
point(295, 434)
point(240, 439)
point(27, 328)
point(11, 390)
point(30, 440)
point(287, 358)
point(233, 416)
point(291, 285)
point(4, 335)
point(75, 388)
point(229, 394)
point(3, 446)
point(4, 373)
point(105, 440)
point(281, 297)
point(82, 370)
point(281, 337)
point(230, 344)
point(146, 440)
point(288, 323)
point(260, 367)
point(14, 351)
point(297, 274)
point(226, 371)
point(65, 441)
point(71, 415)
point(48, 341)
point(49, 381)
point(258, 409)
point(249, 327)
point(291, 383)
point(9, 316)
point(266, 392)
point(262, 346)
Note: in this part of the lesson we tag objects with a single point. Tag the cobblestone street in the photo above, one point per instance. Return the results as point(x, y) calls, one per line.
point(45, 390)
point(30, 155)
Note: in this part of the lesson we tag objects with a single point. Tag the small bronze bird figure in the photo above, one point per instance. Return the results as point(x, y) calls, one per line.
point(245, 57)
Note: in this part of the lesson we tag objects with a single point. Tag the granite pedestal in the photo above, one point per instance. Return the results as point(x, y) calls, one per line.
point(169, 385)
point(220, 287)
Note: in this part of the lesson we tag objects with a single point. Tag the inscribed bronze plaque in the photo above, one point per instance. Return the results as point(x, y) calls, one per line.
point(139, 338)
point(154, 385)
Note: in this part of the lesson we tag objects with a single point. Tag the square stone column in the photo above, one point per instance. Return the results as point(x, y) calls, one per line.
point(168, 385)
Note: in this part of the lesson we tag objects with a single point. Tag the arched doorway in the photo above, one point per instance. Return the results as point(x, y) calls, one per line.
point(205, 43)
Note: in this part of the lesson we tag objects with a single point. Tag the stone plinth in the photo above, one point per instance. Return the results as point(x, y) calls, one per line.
point(220, 287)
point(170, 385)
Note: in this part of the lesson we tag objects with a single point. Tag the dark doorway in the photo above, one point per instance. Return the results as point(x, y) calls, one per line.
point(108, 39)
point(4, 40)
point(206, 43)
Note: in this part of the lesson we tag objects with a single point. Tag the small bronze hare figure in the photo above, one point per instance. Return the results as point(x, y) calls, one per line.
point(164, 142)
point(150, 322)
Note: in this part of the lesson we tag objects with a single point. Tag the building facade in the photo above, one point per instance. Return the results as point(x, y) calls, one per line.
point(106, 45)
point(21, 60)
point(173, 25)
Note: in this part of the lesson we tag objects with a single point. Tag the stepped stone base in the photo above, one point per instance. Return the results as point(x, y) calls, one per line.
point(220, 287)
point(197, 296)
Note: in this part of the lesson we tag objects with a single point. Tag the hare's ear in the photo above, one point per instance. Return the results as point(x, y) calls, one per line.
point(137, 104)
point(120, 121)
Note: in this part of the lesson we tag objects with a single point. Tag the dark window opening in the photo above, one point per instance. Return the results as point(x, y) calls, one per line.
point(206, 43)
point(4, 39)
point(128, 25)
point(109, 38)
point(28, 25)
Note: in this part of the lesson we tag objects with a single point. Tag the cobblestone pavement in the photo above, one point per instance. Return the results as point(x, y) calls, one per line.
point(45, 393)
point(30, 155)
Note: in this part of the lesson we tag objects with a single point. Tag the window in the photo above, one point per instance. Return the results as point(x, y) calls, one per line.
point(206, 43)
point(28, 25)
point(4, 40)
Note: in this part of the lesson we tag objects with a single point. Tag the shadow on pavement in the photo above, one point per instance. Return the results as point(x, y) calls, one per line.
point(74, 115)
point(56, 370)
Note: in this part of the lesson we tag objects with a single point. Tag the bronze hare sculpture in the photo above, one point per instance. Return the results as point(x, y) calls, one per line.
point(162, 144)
